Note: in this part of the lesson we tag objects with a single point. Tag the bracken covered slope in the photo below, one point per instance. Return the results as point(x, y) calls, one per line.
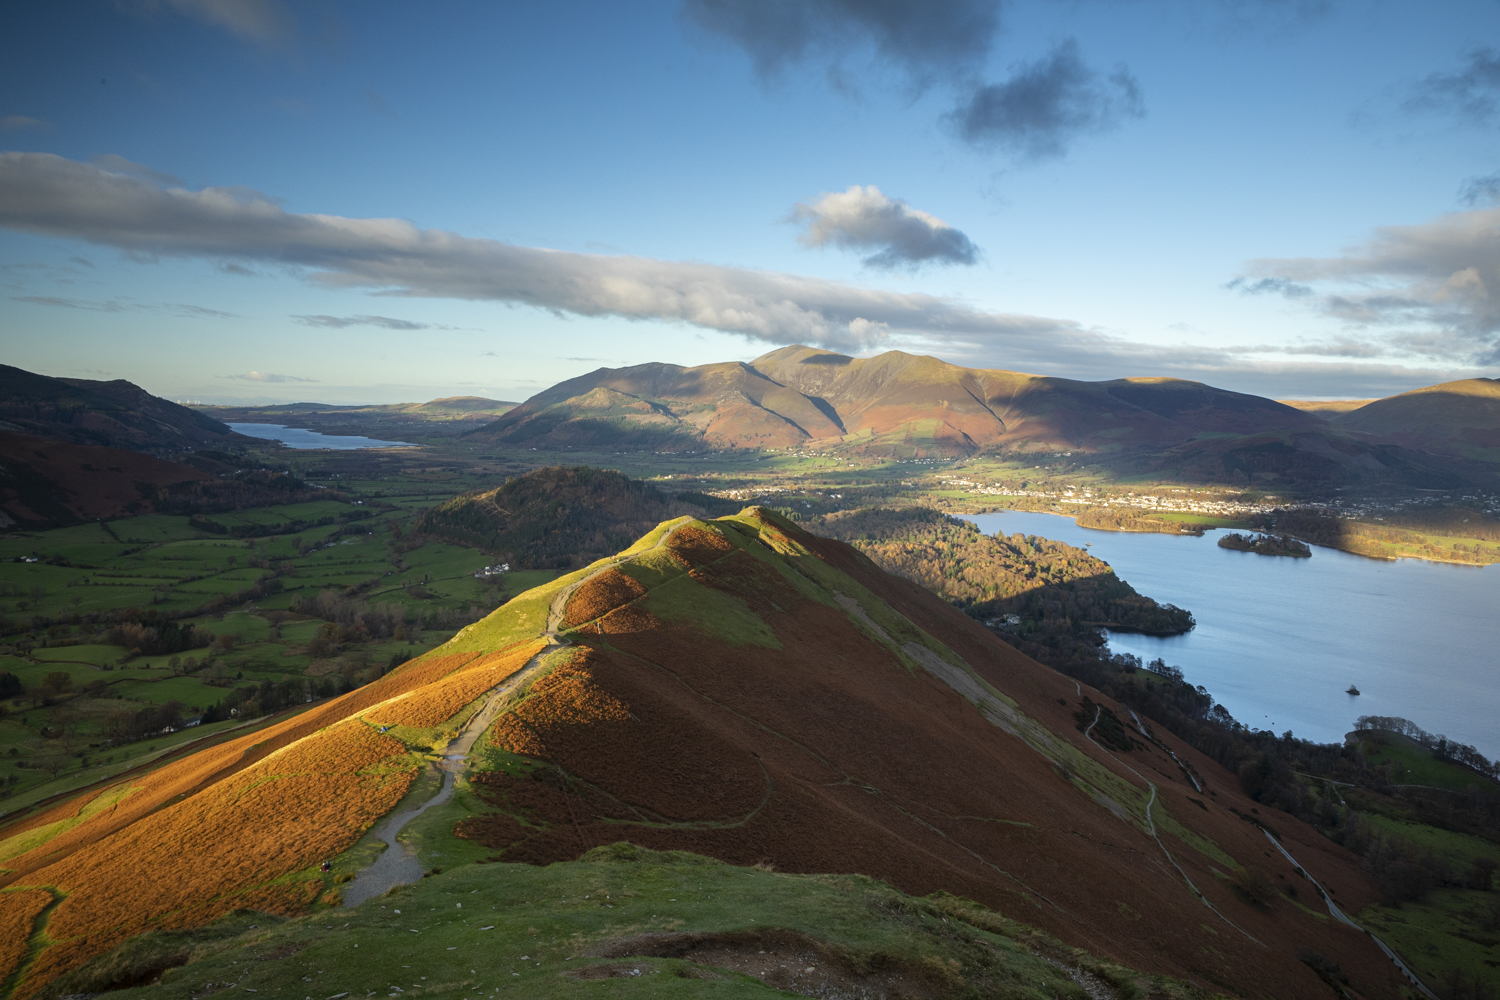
point(739, 689)
point(1460, 418)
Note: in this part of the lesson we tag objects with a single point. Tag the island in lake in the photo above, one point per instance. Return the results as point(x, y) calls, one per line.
point(1266, 545)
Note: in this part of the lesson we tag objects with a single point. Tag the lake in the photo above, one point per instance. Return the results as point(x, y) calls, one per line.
point(1279, 640)
point(297, 437)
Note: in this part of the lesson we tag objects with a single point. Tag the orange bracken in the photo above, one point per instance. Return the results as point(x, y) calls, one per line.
point(443, 699)
point(18, 913)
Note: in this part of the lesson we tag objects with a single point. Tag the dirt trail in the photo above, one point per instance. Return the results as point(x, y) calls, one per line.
point(399, 863)
point(1151, 826)
point(1338, 915)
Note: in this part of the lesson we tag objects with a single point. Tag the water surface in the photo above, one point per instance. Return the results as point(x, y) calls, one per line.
point(1279, 640)
point(297, 437)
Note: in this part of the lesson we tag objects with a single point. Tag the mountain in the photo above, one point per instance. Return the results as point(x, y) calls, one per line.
point(904, 406)
point(435, 418)
point(557, 517)
point(733, 688)
point(895, 403)
point(1456, 418)
point(116, 414)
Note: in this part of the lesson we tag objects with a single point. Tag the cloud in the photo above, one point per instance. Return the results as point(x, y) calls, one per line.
point(119, 165)
point(13, 122)
point(1478, 189)
point(863, 218)
point(269, 23)
point(1473, 92)
point(1038, 112)
point(266, 377)
point(64, 303)
point(340, 322)
point(1438, 282)
point(1270, 286)
point(49, 195)
point(173, 308)
point(923, 41)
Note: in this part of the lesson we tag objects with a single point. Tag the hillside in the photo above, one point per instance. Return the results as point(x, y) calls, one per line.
point(1457, 418)
point(899, 405)
point(738, 689)
point(1049, 599)
point(560, 518)
point(437, 418)
point(48, 483)
point(117, 414)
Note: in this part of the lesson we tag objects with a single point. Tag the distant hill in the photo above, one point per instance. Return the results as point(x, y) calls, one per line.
point(558, 517)
point(48, 483)
point(735, 688)
point(1457, 418)
point(434, 418)
point(117, 414)
point(907, 406)
point(1326, 408)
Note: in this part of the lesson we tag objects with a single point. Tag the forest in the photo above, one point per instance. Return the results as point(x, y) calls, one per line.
point(1060, 597)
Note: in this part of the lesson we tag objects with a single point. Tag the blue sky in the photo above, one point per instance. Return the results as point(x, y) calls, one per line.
point(245, 200)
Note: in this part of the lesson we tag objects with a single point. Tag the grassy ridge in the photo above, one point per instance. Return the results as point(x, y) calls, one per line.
point(622, 921)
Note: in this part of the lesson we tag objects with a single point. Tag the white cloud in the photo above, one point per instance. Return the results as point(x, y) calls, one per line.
point(266, 377)
point(1437, 283)
point(50, 195)
point(865, 219)
point(119, 165)
point(340, 322)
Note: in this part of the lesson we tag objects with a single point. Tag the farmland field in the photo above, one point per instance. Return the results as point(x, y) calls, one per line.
point(250, 610)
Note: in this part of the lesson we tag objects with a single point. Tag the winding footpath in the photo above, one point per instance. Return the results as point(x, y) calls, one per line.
point(1151, 827)
point(1327, 899)
point(399, 864)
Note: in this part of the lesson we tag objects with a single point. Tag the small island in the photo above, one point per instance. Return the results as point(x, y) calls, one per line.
point(1266, 545)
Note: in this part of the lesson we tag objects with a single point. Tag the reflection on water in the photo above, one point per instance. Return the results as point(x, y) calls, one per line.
point(1279, 640)
point(296, 437)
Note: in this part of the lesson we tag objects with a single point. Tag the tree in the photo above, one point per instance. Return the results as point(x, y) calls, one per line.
point(58, 682)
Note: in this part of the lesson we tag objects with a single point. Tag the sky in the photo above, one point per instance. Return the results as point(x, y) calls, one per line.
point(258, 201)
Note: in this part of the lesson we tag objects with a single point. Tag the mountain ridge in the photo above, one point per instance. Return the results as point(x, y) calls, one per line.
point(899, 405)
point(740, 689)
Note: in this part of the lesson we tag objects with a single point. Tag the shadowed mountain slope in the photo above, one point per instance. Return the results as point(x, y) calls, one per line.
point(1458, 418)
point(740, 689)
point(45, 483)
point(117, 414)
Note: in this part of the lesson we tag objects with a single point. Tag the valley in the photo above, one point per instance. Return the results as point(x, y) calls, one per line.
point(208, 630)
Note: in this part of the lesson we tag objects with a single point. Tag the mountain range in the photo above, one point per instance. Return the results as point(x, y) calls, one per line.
point(901, 405)
point(734, 688)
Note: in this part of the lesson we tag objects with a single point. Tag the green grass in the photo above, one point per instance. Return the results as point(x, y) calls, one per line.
point(464, 933)
point(1453, 929)
point(1414, 765)
point(1460, 849)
